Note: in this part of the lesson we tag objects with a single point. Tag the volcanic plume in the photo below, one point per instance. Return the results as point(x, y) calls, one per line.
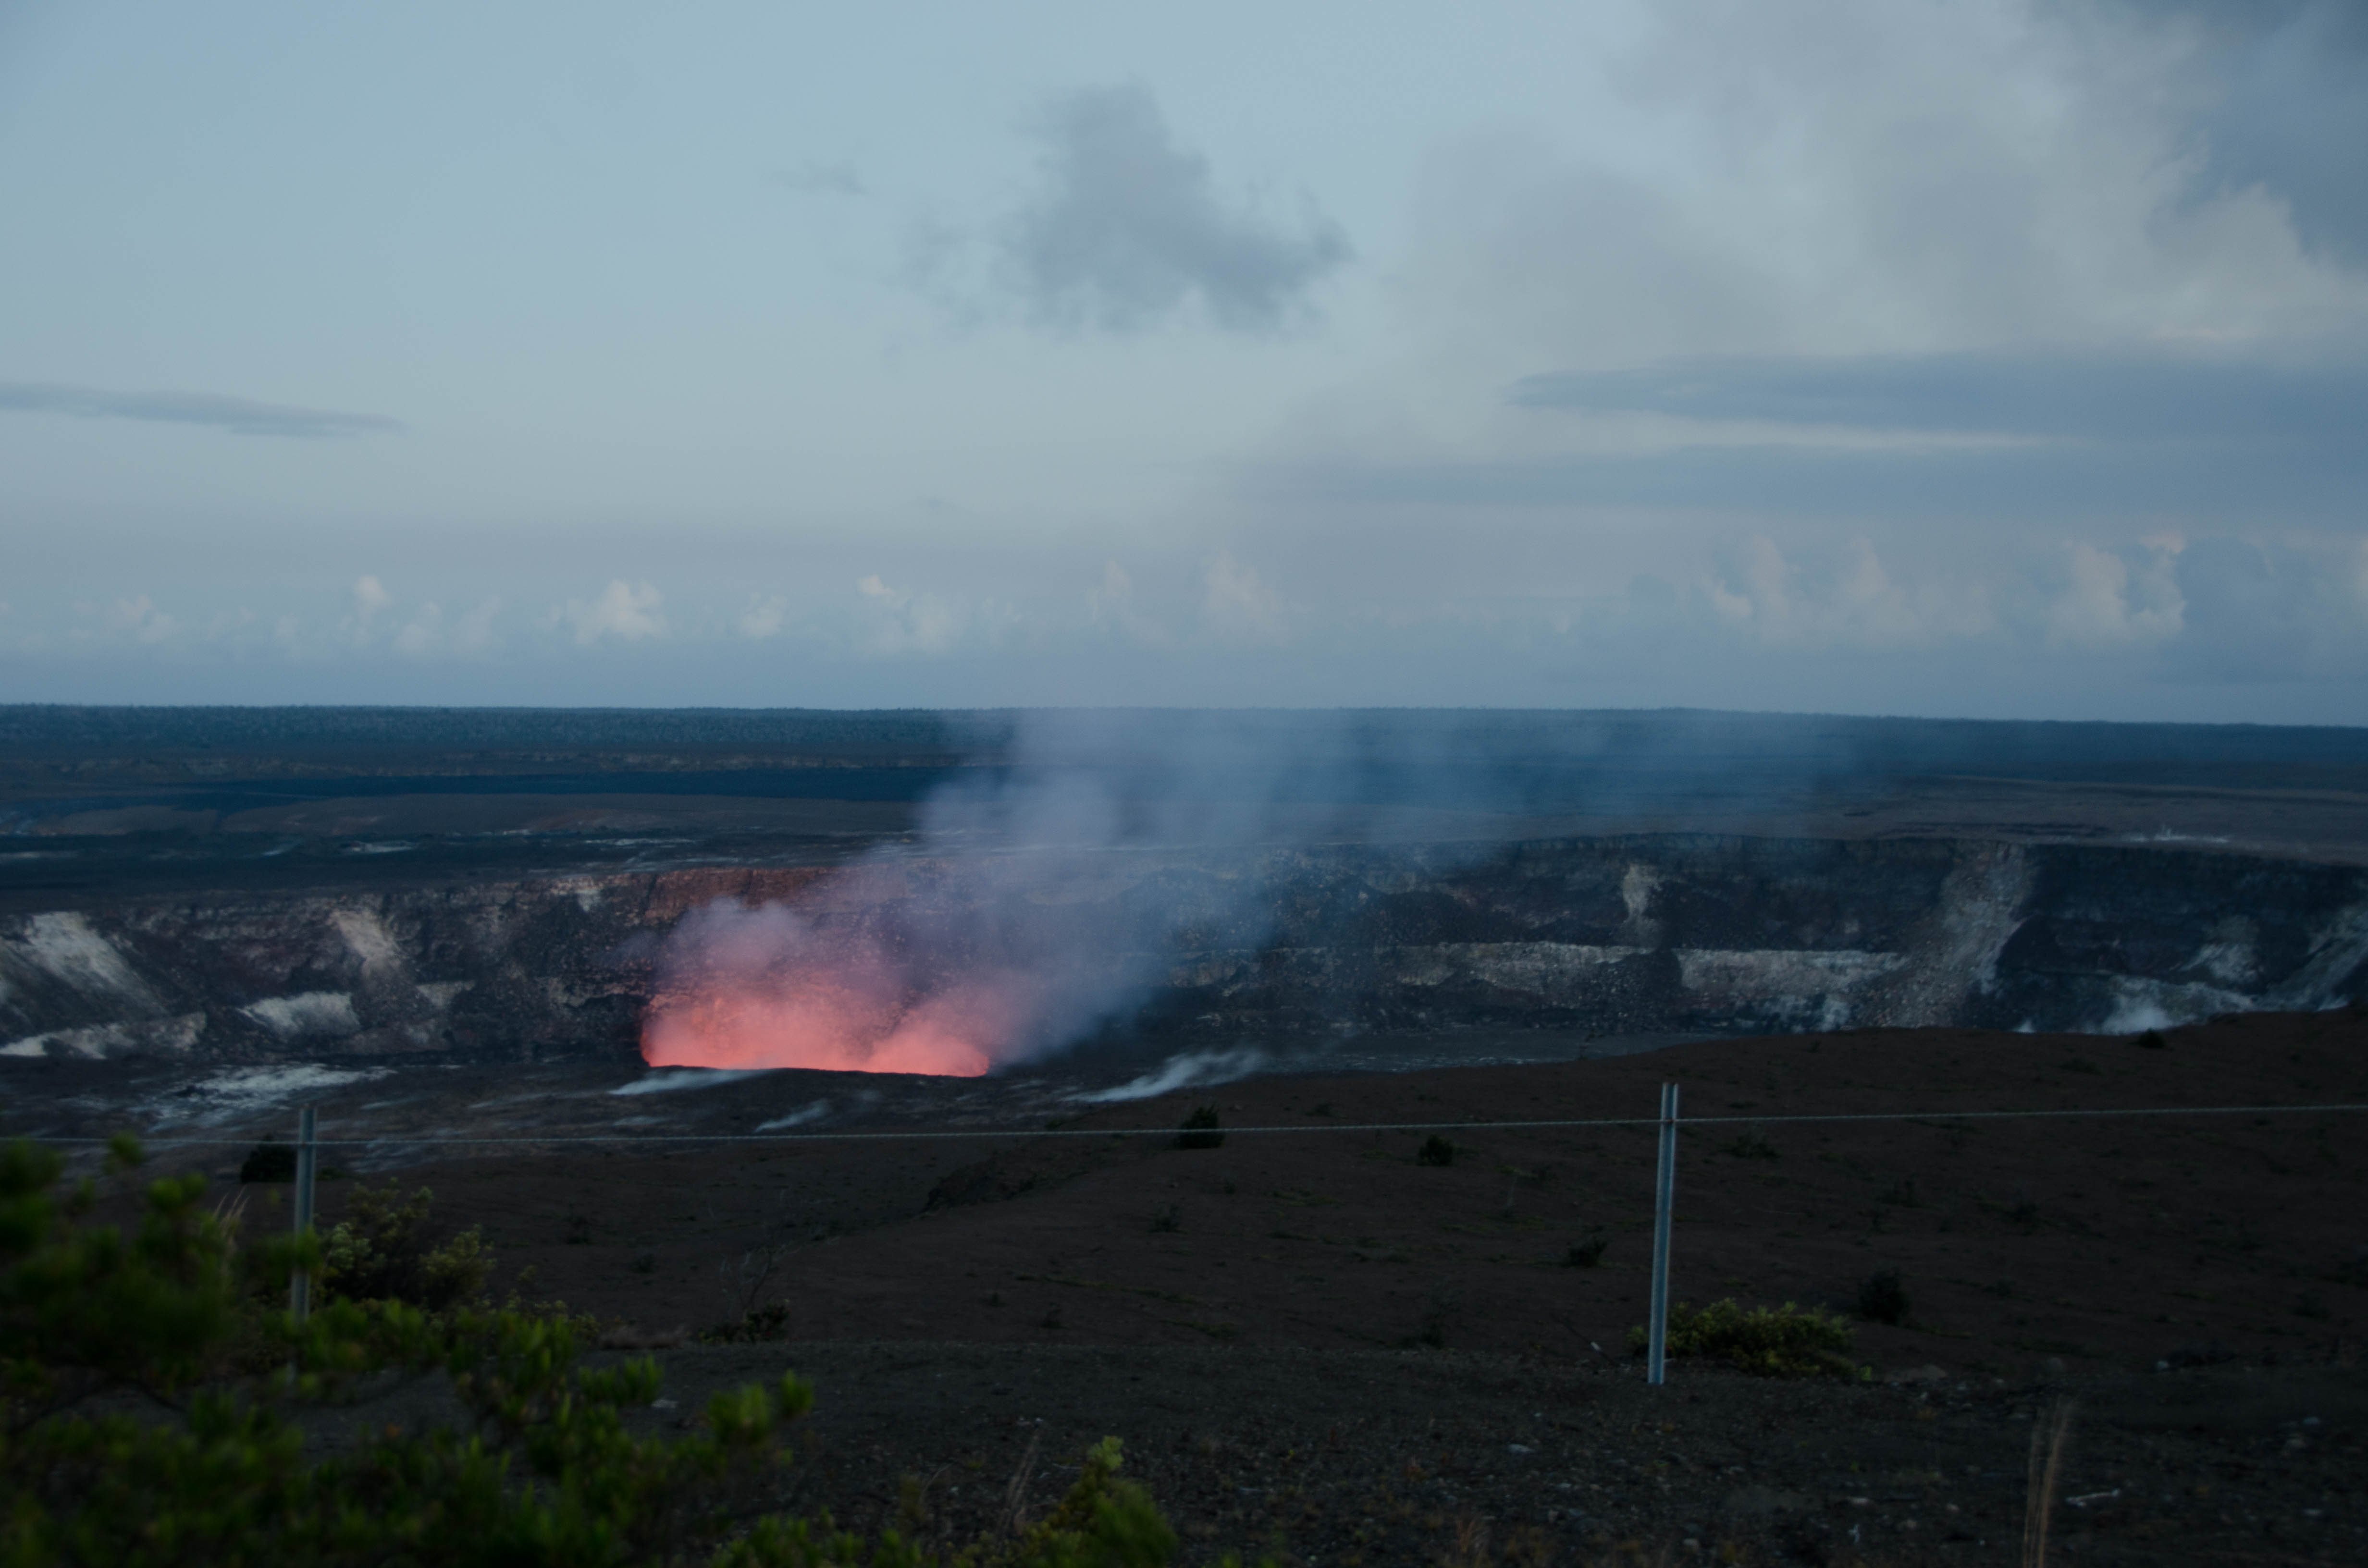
point(1023, 923)
point(772, 986)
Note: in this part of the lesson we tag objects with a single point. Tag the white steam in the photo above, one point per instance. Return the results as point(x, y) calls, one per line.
point(667, 1083)
point(1029, 920)
point(1191, 1070)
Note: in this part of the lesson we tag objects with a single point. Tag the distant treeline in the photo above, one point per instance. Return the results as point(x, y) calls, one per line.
point(1787, 743)
point(49, 729)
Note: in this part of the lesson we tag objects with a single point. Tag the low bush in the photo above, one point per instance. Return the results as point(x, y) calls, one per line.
point(543, 1475)
point(268, 1163)
point(1435, 1150)
point(2152, 1039)
point(1779, 1341)
point(1586, 1254)
point(1201, 1130)
point(1752, 1146)
point(1882, 1297)
point(382, 1252)
point(755, 1327)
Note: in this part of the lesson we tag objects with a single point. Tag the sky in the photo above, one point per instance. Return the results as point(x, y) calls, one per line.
point(1986, 358)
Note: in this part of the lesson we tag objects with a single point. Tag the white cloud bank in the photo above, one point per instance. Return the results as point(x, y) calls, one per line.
point(627, 612)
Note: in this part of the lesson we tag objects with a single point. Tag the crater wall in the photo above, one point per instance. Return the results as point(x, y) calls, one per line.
point(1613, 933)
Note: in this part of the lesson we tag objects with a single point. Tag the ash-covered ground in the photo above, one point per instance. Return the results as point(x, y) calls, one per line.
point(1317, 1344)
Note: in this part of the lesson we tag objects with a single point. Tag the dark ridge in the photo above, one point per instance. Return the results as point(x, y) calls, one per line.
point(1417, 754)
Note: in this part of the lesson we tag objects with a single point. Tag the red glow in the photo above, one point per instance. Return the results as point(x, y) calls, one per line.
point(817, 1024)
point(764, 986)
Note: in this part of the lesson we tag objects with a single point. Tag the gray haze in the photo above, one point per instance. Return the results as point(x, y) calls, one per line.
point(1018, 923)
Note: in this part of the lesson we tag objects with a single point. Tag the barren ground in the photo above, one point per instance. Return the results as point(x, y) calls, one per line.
point(1315, 1343)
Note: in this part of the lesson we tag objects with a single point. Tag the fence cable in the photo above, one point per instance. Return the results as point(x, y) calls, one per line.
point(1937, 1118)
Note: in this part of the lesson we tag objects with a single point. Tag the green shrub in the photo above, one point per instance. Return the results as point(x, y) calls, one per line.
point(756, 1326)
point(545, 1474)
point(1201, 1130)
point(1435, 1150)
point(1778, 1342)
point(381, 1251)
point(2152, 1039)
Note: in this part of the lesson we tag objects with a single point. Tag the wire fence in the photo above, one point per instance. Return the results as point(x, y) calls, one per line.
point(1669, 1123)
point(594, 1135)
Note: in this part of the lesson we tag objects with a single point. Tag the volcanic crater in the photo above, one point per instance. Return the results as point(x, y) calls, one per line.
point(450, 933)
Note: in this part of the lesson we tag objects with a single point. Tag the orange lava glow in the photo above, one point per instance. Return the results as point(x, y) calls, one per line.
point(814, 1024)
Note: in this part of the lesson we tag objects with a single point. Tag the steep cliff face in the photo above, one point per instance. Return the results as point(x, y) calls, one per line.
point(1613, 935)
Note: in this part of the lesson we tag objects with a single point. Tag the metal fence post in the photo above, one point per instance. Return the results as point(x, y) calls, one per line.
point(1665, 1197)
point(308, 1159)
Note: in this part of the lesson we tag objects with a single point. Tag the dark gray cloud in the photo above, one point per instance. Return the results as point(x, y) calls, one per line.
point(2287, 85)
point(2091, 397)
point(2074, 437)
point(1127, 227)
point(2069, 488)
point(237, 414)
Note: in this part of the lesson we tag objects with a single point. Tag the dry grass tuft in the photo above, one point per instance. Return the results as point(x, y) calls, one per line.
point(2047, 1436)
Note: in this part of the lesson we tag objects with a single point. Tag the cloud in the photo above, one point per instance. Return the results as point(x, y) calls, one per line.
point(2039, 434)
point(902, 622)
point(1126, 229)
point(423, 635)
point(428, 635)
point(1240, 606)
point(1865, 176)
point(2285, 84)
point(626, 613)
point(2104, 604)
point(2072, 486)
point(814, 177)
point(1111, 604)
point(2094, 396)
point(370, 600)
point(370, 597)
point(139, 620)
point(2247, 613)
point(236, 415)
point(764, 616)
point(1848, 596)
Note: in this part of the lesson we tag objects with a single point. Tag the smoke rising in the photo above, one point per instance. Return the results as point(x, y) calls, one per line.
point(1196, 1069)
point(1025, 919)
point(1088, 871)
point(668, 1083)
